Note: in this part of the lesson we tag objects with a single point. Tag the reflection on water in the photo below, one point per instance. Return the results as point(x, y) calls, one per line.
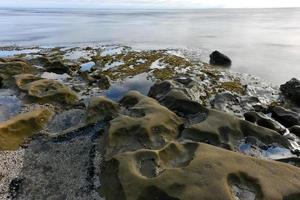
point(263, 42)
point(139, 83)
point(10, 105)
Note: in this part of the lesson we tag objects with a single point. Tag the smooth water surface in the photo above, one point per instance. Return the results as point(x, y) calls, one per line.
point(263, 42)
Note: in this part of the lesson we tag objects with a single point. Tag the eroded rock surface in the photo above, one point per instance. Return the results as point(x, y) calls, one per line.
point(14, 131)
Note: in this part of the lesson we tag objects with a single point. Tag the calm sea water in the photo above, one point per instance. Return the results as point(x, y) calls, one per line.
point(263, 42)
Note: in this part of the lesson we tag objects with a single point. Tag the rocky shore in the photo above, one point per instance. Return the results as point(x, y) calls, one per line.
point(116, 123)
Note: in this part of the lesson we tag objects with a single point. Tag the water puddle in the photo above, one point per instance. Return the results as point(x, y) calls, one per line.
point(272, 152)
point(11, 53)
point(10, 105)
point(139, 83)
point(113, 65)
point(86, 67)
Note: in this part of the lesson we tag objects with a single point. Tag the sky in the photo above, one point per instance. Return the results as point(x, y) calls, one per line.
point(151, 3)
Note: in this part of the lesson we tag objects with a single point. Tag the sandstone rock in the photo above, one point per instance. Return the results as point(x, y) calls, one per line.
point(286, 117)
point(217, 58)
point(14, 131)
point(146, 124)
point(22, 80)
point(9, 69)
point(101, 108)
point(47, 90)
point(193, 171)
point(224, 130)
point(291, 90)
point(263, 120)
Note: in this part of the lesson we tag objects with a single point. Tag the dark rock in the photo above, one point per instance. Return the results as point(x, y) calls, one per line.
point(286, 117)
point(291, 90)
point(57, 67)
point(295, 130)
point(102, 81)
point(263, 120)
point(1, 82)
point(217, 58)
point(177, 97)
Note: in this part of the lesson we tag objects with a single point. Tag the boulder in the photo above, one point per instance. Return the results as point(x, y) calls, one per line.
point(177, 97)
point(291, 90)
point(217, 58)
point(145, 124)
point(47, 90)
point(22, 80)
point(263, 120)
point(58, 67)
point(193, 171)
point(286, 117)
point(10, 69)
point(101, 108)
point(14, 131)
point(224, 130)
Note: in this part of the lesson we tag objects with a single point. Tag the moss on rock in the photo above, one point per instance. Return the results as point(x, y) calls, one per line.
point(14, 131)
point(101, 108)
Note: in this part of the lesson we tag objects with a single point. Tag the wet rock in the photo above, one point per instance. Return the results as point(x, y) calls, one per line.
point(22, 80)
point(102, 81)
point(58, 67)
point(217, 58)
point(291, 90)
point(286, 117)
point(176, 98)
point(263, 120)
point(192, 171)
point(224, 130)
point(145, 124)
point(40, 61)
point(14, 131)
point(1, 81)
point(10, 105)
point(69, 119)
point(101, 108)
point(48, 90)
point(295, 130)
point(62, 167)
point(10, 69)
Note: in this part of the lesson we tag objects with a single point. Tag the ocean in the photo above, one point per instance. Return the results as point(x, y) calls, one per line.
point(262, 42)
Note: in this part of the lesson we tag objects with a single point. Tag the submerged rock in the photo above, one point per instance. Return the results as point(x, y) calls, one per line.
point(217, 58)
point(286, 117)
point(291, 90)
point(14, 131)
point(101, 108)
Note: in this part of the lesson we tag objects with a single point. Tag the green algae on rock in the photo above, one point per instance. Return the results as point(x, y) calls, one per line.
point(147, 124)
point(101, 108)
point(196, 171)
point(14, 131)
point(222, 129)
point(46, 90)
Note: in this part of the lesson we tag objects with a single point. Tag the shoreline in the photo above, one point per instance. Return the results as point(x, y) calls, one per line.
point(79, 117)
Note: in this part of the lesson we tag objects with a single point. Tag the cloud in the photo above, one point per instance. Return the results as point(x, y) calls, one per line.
point(152, 3)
